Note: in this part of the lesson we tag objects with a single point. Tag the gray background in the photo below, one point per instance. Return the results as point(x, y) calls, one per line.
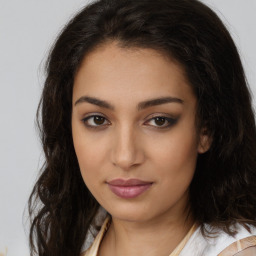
point(27, 30)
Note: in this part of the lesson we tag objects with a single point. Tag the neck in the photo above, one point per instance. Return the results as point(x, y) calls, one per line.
point(153, 237)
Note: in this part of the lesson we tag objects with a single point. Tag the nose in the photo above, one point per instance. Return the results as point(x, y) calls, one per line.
point(127, 151)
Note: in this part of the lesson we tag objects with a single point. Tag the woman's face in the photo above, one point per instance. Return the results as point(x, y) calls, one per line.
point(134, 132)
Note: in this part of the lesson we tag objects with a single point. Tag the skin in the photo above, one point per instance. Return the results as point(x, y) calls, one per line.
point(128, 142)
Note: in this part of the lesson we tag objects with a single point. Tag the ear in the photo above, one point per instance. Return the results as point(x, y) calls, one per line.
point(205, 141)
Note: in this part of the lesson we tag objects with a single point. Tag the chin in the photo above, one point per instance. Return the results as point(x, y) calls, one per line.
point(129, 213)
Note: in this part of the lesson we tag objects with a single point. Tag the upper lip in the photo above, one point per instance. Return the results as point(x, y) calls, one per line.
point(127, 183)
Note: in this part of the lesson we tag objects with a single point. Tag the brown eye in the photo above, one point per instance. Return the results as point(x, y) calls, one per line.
point(95, 121)
point(161, 122)
point(99, 120)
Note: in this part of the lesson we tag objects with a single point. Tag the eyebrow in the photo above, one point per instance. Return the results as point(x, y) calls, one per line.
point(141, 105)
point(94, 101)
point(158, 101)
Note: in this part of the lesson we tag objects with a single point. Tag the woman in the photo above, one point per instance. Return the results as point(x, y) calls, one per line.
point(146, 116)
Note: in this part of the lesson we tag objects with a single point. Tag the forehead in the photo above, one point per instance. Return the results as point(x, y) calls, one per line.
point(112, 71)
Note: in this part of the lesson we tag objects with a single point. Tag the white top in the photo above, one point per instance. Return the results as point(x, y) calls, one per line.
point(195, 244)
point(222, 244)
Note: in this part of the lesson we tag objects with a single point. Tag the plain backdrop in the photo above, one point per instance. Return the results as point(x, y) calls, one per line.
point(27, 30)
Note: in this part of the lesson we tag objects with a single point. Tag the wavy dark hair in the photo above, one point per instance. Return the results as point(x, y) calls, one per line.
point(223, 190)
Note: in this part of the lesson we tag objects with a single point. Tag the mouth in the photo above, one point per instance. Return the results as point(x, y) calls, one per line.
point(128, 188)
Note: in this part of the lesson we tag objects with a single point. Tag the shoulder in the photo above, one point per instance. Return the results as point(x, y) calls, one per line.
point(220, 243)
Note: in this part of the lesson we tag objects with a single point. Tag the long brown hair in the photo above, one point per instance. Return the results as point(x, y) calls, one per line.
point(223, 190)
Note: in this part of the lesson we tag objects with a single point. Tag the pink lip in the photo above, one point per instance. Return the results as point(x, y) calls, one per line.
point(128, 188)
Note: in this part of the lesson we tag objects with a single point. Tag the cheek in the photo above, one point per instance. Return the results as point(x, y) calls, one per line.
point(90, 156)
point(175, 170)
point(89, 151)
point(89, 164)
point(175, 158)
point(177, 151)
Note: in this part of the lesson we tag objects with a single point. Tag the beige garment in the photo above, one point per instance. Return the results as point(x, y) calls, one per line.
point(242, 247)
point(251, 251)
point(93, 250)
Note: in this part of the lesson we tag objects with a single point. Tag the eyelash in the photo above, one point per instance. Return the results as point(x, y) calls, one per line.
point(168, 121)
point(87, 119)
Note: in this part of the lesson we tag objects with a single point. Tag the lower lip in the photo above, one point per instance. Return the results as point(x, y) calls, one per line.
point(129, 191)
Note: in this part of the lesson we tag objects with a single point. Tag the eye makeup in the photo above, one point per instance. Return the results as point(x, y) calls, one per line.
point(157, 121)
